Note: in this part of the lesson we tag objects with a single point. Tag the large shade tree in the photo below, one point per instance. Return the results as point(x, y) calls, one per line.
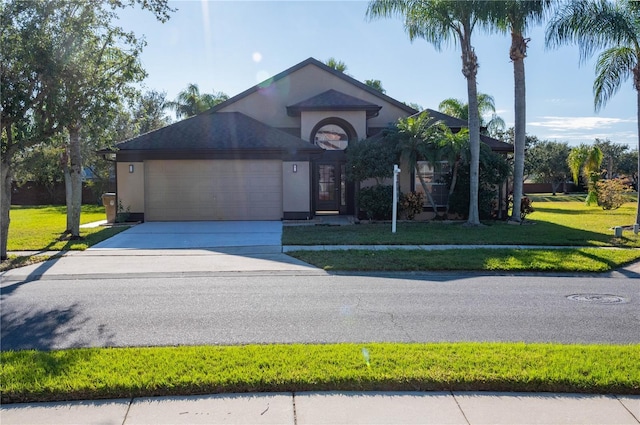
point(442, 22)
point(610, 27)
point(149, 111)
point(47, 50)
point(25, 73)
point(516, 16)
point(99, 61)
point(546, 162)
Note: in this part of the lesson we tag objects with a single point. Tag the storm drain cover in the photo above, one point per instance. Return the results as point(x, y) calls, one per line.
point(598, 298)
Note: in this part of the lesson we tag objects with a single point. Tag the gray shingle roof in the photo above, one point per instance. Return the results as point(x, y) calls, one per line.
point(216, 131)
point(448, 120)
point(456, 124)
point(333, 100)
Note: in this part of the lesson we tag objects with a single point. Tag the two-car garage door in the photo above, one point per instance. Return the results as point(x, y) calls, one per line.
point(213, 190)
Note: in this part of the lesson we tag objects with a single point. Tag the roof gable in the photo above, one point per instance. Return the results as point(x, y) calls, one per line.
point(333, 100)
point(448, 120)
point(311, 61)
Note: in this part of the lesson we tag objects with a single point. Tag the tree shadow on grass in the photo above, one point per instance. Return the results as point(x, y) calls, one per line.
point(561, 211)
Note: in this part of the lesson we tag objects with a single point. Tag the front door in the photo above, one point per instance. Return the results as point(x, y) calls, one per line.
point(330, 183)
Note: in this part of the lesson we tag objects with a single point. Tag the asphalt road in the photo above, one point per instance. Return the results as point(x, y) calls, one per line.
point(240, 309)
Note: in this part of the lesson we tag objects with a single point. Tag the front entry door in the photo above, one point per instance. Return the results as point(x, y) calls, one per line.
point(330, 183)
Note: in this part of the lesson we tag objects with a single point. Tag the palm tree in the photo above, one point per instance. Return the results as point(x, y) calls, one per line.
point(419, 138)
point(454, 149)
point(516, 16)
point(336, 64)
point(441, 22)
point(486, 104)
point(191, 102)
point(376, 85)
point(612, 26)
point(586, 160)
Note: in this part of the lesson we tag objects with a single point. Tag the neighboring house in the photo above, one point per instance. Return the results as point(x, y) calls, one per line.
point(275, 151)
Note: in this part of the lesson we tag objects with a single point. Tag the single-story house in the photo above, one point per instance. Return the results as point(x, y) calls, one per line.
point(275, 151)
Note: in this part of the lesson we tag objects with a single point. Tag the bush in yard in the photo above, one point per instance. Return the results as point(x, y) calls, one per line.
point(611, 193)
point(526, 206)
point(494, 171)
point(376, 202)
point(411, 204)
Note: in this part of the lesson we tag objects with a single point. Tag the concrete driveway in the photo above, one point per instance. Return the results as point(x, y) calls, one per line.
point(199, 234)
point(175, 248)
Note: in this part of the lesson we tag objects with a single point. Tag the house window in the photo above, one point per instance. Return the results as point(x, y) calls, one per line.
point(435, 180)
point(331, 137)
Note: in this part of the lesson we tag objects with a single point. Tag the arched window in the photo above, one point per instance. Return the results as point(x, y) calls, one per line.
point(332, 134)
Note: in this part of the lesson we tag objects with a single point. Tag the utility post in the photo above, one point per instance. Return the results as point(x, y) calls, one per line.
point(396, 171)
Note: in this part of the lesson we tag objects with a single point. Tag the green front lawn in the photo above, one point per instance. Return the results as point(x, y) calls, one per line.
point(27, 376)
point(39, 228)
point(553, 223)
point(556, 260)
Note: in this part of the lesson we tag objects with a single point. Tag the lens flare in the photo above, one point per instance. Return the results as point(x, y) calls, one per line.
point(257, 57)
point(365, 354)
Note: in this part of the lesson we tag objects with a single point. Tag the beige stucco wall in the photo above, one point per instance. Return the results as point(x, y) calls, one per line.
point(269, 104)
point(296, 188)
point(131, 186)
point(357, 119)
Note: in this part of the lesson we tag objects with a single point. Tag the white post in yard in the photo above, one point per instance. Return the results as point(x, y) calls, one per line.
point(396, 171)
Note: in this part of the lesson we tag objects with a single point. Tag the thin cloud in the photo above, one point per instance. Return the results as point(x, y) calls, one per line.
point(576, 130)
point(577, 123)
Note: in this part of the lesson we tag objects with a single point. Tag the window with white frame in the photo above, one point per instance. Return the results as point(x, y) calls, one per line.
point(435, 180)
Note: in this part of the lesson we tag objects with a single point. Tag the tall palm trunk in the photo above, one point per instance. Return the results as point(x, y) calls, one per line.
point(452, 187)
point(470, 70)
point(517, 53)
point(75, 176)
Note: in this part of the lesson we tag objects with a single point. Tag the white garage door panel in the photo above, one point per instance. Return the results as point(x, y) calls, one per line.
point(213, 190)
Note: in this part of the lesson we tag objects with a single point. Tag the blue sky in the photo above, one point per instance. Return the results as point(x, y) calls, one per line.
point(230, 46)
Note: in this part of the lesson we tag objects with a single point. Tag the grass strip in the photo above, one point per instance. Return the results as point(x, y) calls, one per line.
point(40, 228)
point(15, 261)
point(29, 376)
point(507, 259)
point(552, 223)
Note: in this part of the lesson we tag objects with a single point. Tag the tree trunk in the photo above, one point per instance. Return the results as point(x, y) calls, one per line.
point(554, 187)
point(517, 54)
point(66, 172)
point(470, 70)
point(5, 203)
point(452, 188)
point(75, 172)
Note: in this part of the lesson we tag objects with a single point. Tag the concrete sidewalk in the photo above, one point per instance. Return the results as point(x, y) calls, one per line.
point(462, 408)
point(114, 263)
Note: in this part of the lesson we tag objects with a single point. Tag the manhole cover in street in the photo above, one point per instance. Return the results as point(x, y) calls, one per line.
point(598, 298)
